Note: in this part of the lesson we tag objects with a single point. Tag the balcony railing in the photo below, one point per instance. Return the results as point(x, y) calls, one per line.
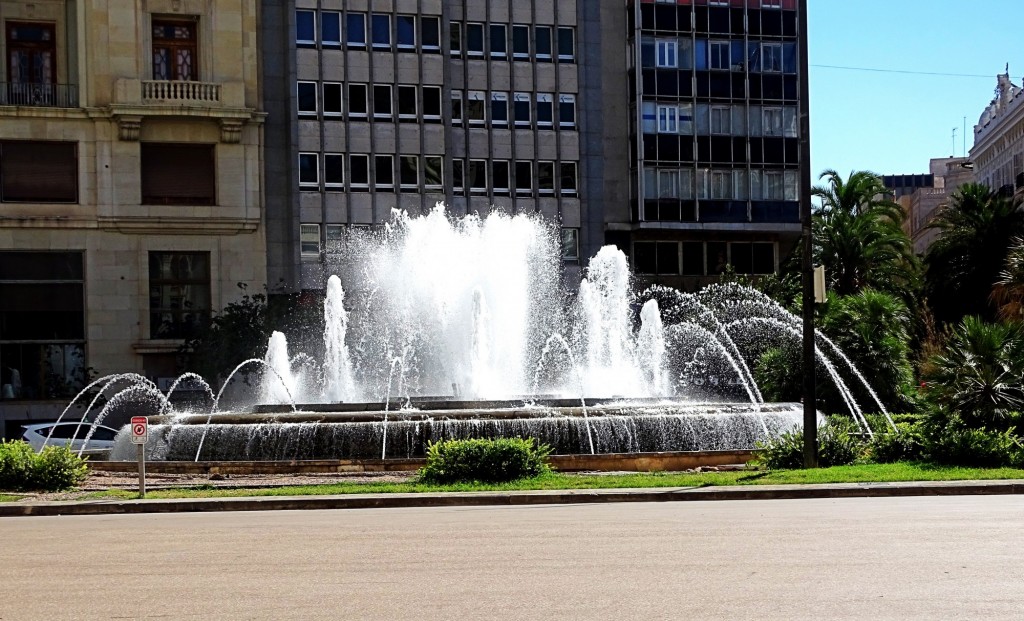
point(38, 95)
point(178, 91)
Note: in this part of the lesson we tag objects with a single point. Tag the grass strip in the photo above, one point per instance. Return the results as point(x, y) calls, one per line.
point(877, 473)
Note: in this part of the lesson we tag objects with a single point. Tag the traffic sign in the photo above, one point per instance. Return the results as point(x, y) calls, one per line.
point(140, 429)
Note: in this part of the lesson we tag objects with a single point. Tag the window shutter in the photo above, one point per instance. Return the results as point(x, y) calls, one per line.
point(178, 174)
point(39, 172)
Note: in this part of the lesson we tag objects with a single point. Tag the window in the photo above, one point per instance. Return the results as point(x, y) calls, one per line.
point(355, 29)
point(384, 172)
point(382, 101)
point(433, 172)
point(305, 30)
point(667, 53)
point(475, 39)
point(720, 55)
point(309, 171)
point(499, 41)
point(407, 103)
point(335, 238)
point(165, 168)
point(668, 122)
point(721, 120)
point(174, 50)
point(668, 183)
point(357, 100)
point(693, 259)
point(179, 293)
point(458, 176)
point(789, 121)
point(656, 257)
point(307, 98)
point(330, 28)
point(499, 109)
point(570, 183)
point(524, 177)
point(455, 39)
point(542, 42)
point(406, 26)
point(545, 111)
point(38, 172)
point(771, 4)
point(546, 177)
point(359, 171)
point(752, 258)
point(721, 185)
point(478, 176)
point(716, 257)
point(432, 103)
point(520, 42)
point(772, 121)
point(334, 170)
point(567, 111)
point(31, 60)
point(686, 118)
point(774, 186)
point(42, 324)
point(771, 57)
point(566, 45)
point(522, 109)
point(409, 172)
point(499, 176)
point(332, 99)
point(475, 108)
point(456, 108)
point(570, 244)
point(381, 30)
point(430, 34)
point(309, 241)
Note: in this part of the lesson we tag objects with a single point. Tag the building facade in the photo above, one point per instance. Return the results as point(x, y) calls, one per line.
point(130, 187)
point(922, 196)
point(670, 129)
point(998, 151)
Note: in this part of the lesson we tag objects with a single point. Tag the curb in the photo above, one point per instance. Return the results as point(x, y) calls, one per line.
point(543, 497)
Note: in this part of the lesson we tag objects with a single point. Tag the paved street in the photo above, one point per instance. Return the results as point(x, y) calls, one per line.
point(880, 558)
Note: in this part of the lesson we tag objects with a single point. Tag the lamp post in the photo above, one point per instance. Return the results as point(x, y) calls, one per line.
point(807, 264)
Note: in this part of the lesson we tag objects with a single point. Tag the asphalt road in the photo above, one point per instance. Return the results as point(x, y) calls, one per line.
point(861, 558)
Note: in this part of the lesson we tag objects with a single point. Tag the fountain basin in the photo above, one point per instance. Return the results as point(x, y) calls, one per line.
point(627, 427)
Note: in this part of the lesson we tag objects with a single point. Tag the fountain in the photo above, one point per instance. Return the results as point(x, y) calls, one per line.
point(447, 328)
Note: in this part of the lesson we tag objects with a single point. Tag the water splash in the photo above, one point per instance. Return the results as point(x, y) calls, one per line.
point(106, 380)
point(195, 377)
point(337, 365)
point(138, 390)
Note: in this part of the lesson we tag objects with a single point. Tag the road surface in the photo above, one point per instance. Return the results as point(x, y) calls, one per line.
point(861, 558)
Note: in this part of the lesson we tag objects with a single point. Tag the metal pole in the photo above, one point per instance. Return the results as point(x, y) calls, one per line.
point(140, 452)
point(807, 264)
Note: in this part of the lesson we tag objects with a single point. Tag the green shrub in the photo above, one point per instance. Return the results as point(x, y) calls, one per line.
point(487, 461)
point(950, 440)
point(839, 444)
point(55, 469)
point(906, 444)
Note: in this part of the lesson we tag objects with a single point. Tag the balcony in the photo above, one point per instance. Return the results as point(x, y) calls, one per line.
point(180, 92)
point(38, 95)
point(222, 102)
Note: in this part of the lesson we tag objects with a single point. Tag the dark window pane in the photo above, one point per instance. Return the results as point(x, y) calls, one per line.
point(544, 112)
point(717, 258)
point(406, 31)
point(409, 170)
point(763, 260)
point(38, 172)
point(566, 44)
point(305, 27)
point(524, 175)
point(381, 30)
point(407, 101)
point(307, 97)
point(433, 171)
point(332, 98)
point(179, 293)
point(741, 258)
point(334, 169)
point(455, 38)
point(499, 176)
point(542, 35)
point(475, 38)
point(382, 100)
point(357, 99)
point(41, 311)
point(355, 29)
point(693, 258)
point(165, 166)
point(478, 175)
point(546, 176)
point(521, 40)
point(668, 258)
point(359, 169)
point(569, 182)
point(384, 174)
point(499, 111)
point(499, 46)
point(645, 259)
point(330, 27)
point(430, 28)
point(19, 265)
point(522, 111)
point(431, 101)
point(308, 174)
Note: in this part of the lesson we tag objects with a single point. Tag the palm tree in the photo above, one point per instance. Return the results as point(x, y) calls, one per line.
point(1009, 291)
point(963, 265)
point(858, 236)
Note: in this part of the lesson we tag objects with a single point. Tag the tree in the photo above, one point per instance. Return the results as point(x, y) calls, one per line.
point(858, 236)
point(963, 265)
point(1008, 294)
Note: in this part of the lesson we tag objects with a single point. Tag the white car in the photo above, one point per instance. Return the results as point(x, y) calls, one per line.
point(63, 433)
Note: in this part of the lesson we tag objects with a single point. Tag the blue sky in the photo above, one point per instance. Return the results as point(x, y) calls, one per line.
point(894, 123)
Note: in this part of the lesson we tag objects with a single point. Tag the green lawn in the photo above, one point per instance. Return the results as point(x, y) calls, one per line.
point(8, 497)
point(841, 474)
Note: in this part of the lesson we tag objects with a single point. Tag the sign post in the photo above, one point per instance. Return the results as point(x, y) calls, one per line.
point(140, 433)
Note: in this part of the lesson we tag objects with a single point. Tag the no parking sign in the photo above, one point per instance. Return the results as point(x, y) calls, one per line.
point(140, 429)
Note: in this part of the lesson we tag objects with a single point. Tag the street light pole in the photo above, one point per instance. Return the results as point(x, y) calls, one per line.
point(807, 263)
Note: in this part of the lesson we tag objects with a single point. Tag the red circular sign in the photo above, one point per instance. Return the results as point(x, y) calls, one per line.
point(138, 429)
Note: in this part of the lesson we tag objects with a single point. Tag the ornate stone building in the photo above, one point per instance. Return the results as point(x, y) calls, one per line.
point(130, 186)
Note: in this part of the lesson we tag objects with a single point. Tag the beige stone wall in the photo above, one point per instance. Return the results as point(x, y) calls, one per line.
point(112, 39)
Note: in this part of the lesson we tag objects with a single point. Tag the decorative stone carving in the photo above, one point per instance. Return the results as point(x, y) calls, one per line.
point(230, 131)
point(128, 127)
